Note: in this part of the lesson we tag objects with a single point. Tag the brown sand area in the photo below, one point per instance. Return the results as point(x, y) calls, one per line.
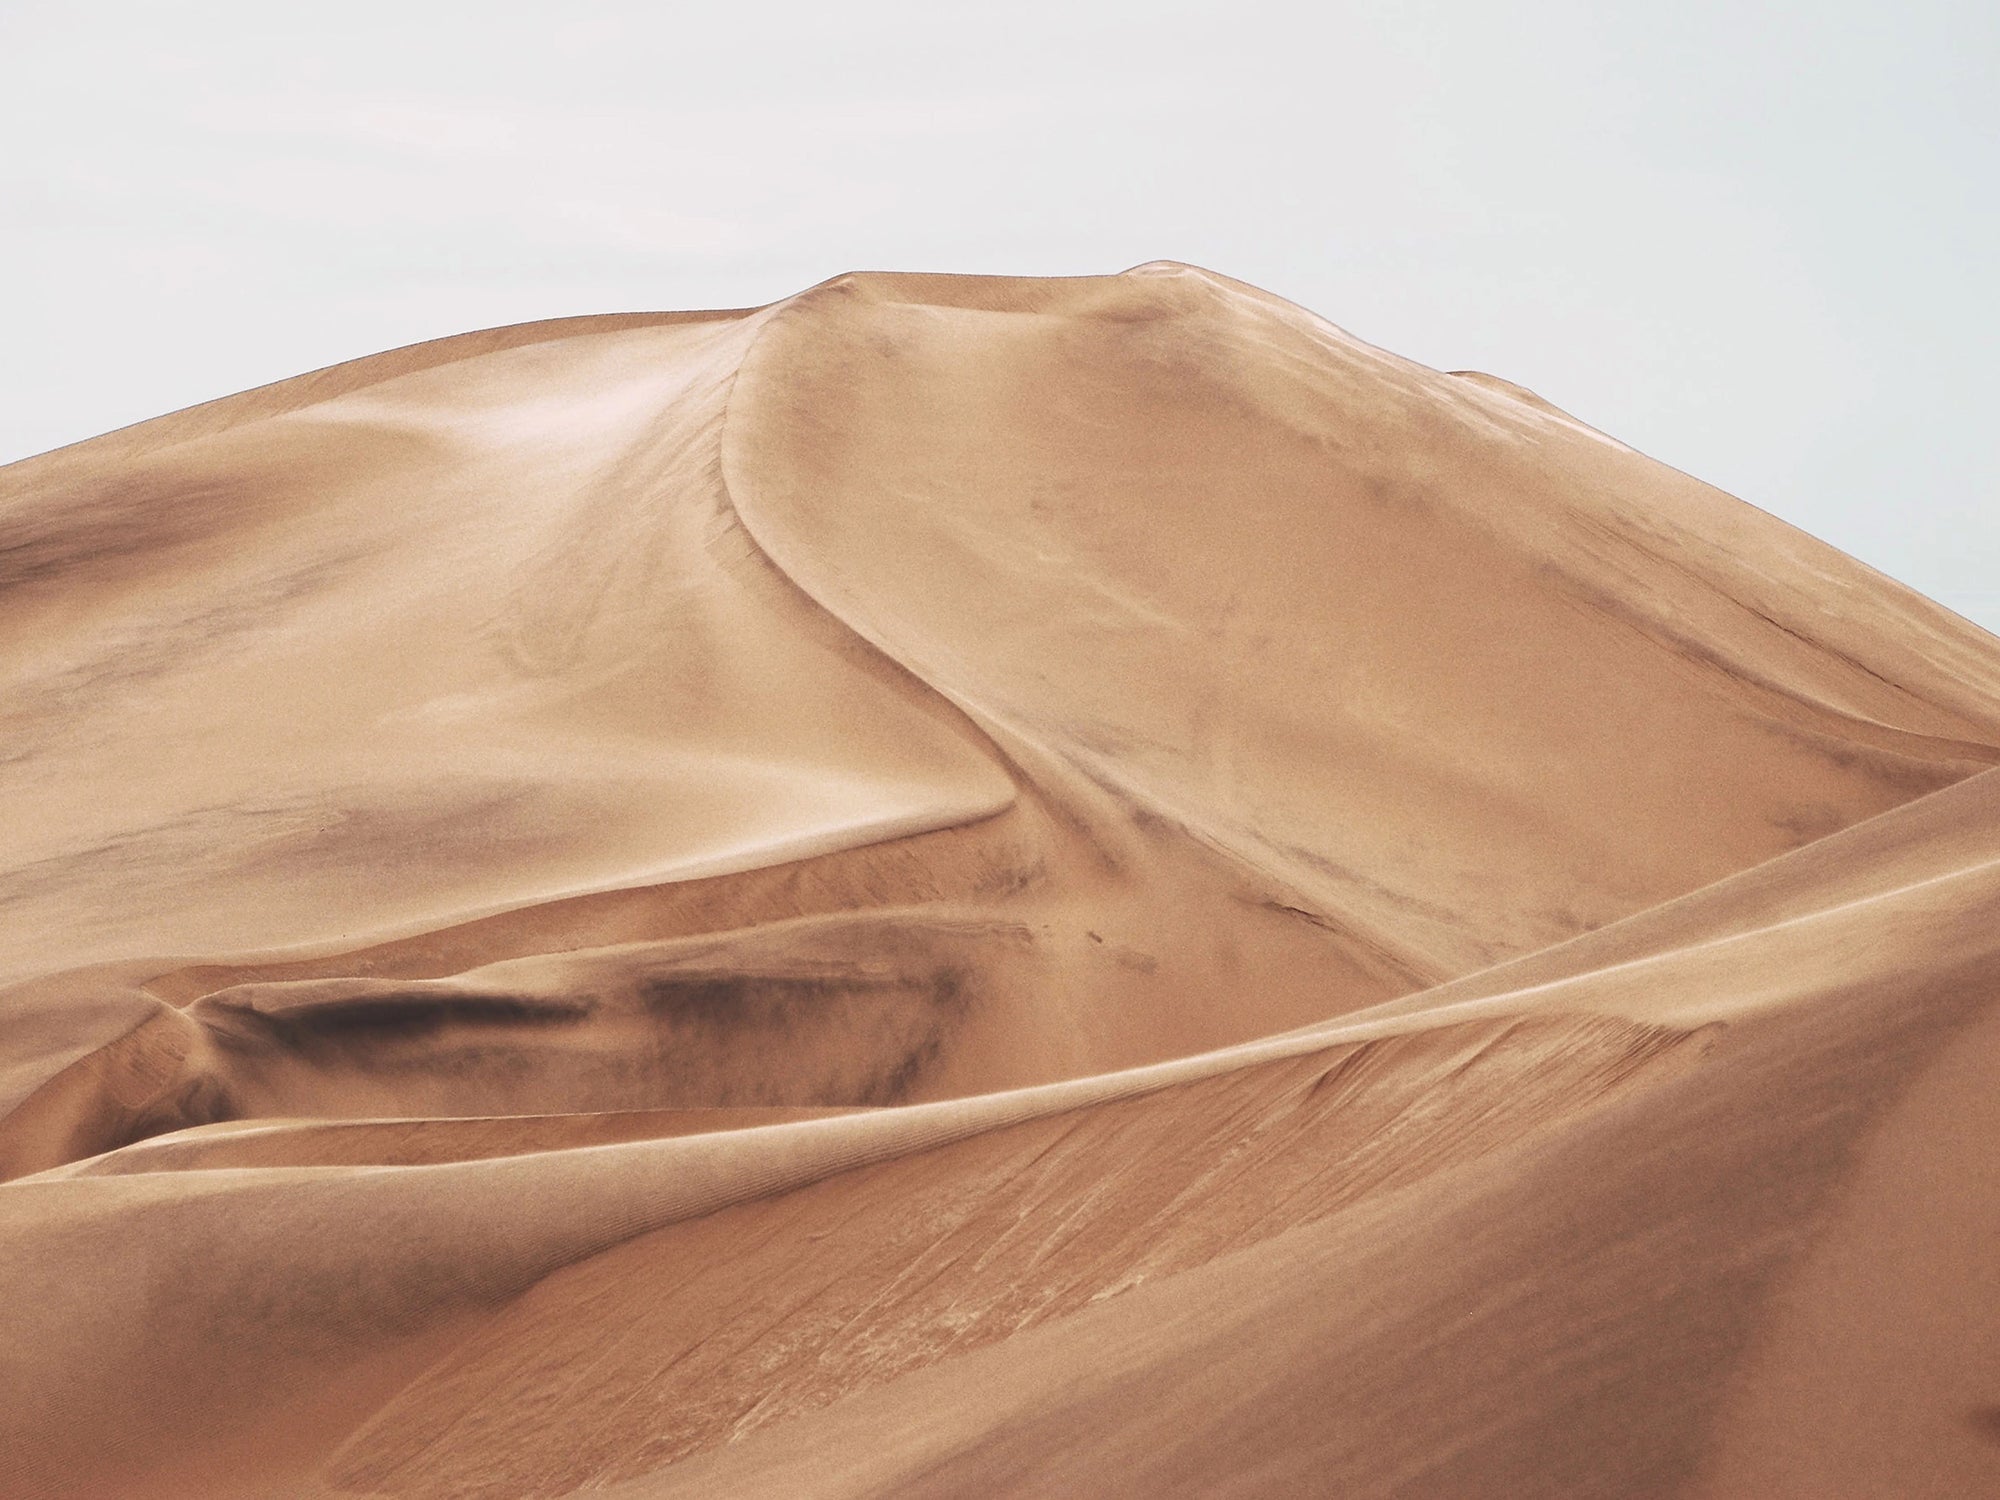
point(971, 886)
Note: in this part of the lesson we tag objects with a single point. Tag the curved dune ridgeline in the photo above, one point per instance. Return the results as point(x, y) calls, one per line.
point(978, 886)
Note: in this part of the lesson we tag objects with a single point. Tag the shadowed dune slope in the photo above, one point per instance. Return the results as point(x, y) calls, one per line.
point(978, 886)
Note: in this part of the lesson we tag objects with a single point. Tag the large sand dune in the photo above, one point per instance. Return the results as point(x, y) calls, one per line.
point(966, 886)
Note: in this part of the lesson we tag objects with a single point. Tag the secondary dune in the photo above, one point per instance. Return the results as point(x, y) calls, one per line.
point(978, 886)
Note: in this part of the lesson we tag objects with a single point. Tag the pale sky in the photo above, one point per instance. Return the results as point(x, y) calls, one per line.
point(1757, 241)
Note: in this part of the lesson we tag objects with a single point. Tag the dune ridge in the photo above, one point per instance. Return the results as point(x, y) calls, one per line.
point(977, 885)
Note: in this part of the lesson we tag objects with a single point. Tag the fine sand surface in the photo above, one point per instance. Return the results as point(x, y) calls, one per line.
point(964, 886)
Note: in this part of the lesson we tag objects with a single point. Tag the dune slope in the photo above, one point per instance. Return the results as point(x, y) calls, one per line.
point(966, 885)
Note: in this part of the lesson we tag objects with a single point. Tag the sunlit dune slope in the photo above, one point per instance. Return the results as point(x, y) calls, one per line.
point(967, 885)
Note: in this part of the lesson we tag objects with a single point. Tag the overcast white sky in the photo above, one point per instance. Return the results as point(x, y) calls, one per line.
point(1758, 241)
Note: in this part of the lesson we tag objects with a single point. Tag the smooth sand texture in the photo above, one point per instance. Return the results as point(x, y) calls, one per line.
point(968, 886)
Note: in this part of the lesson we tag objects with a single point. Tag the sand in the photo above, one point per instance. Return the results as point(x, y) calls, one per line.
point(974, 886)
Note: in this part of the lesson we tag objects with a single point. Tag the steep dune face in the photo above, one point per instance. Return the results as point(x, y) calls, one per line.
point(1424, 651)
point(964, 885)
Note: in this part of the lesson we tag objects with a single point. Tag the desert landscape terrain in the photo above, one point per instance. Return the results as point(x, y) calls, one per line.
point(969, 886)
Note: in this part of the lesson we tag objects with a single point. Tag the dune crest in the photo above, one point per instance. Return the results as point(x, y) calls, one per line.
point(977, 885)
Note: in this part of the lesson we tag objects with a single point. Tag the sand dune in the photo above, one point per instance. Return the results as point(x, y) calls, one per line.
point(978, 886)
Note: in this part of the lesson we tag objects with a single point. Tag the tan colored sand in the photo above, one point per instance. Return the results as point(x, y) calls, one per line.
point(978, 886)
